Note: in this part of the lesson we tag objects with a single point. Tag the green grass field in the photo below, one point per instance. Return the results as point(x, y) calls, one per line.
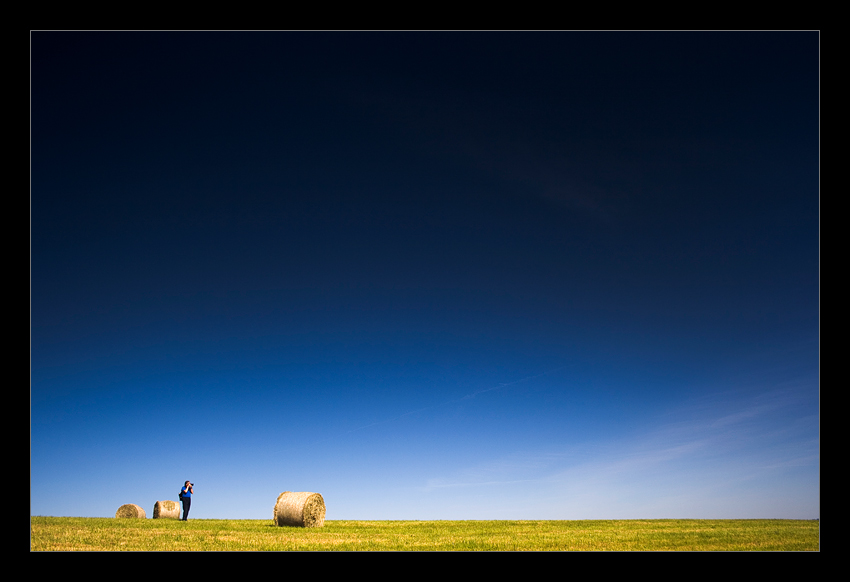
point(109, 534)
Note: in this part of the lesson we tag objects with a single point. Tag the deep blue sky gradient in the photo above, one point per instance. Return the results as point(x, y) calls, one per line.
point(428, 275)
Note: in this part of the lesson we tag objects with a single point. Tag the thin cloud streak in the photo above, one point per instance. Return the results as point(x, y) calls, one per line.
point(701, 459)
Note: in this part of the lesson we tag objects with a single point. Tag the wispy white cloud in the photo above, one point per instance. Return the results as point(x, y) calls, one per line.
point(720, 457)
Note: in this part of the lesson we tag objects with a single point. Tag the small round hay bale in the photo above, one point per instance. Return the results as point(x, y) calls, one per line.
point(166, 510)
point(299, 509)
point(130, 510)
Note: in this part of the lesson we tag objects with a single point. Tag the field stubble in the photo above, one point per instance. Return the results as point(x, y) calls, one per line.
point(108, 534)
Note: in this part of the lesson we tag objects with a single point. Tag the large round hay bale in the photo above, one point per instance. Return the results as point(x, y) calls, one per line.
point(166, 510)
point(299, 509)
point(130, 510)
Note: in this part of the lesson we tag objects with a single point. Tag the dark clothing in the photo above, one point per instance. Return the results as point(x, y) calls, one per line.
point(187, 500)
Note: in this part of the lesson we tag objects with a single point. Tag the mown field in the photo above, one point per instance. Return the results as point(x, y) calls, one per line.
point(109, 534)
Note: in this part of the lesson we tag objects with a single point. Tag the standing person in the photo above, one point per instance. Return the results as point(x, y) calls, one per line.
point(186, 498)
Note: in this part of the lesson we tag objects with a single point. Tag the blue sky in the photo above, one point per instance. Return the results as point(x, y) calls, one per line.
point(427, 275)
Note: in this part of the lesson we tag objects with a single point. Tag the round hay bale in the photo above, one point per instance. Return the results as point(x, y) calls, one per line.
point(166, 510)
point(299, 509)
point(130, 510)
